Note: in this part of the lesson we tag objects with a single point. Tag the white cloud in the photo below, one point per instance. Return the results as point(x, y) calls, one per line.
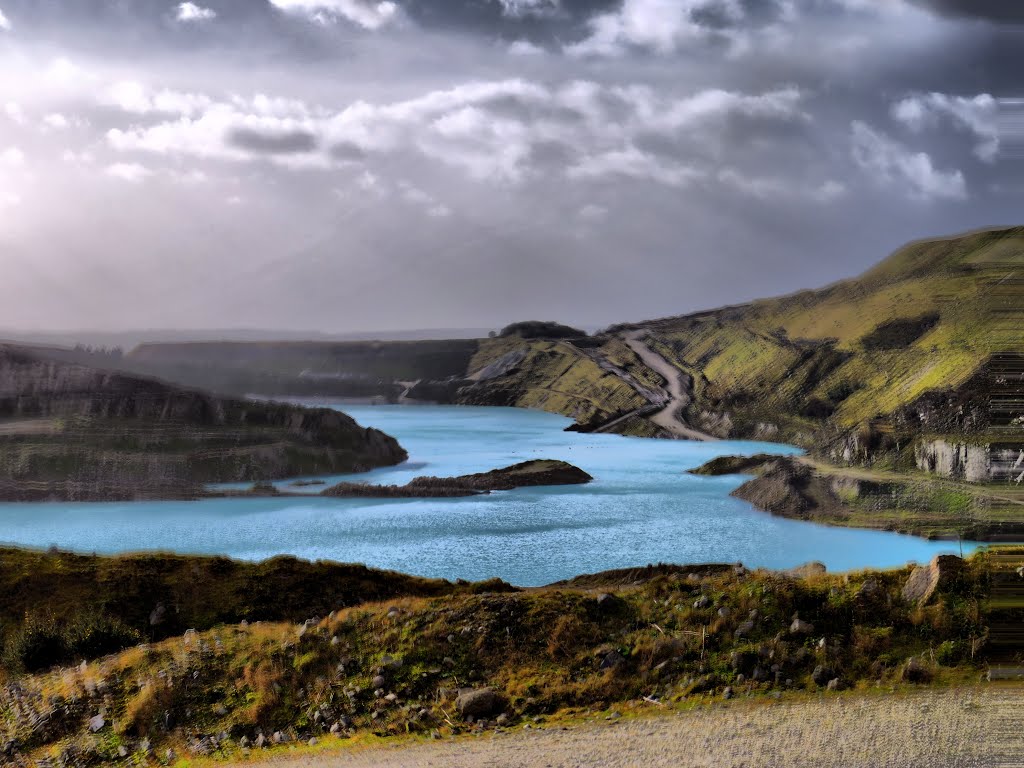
point(592, 212)
point(56, 121)
point(777, 188)
point(190, 12)
point(505, 131)
point(134, 97)
point(659, 26)
point(12, 157)
point(891, 163)
point(5, 23)
point(15, 113)
point(364, 13)
point(978, 114)
point(518, 9)
point(635, 164)
point(524, 48)
point(132, 173)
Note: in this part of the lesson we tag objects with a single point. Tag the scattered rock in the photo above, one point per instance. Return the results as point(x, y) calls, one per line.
point(916, 672)
point(926, 580)
point(480, 703)
point(869, 589)
point(801, 628)
point(807, 570)
point(744, 629)
point(822, 675)
point(613, 660)
point(96, 723)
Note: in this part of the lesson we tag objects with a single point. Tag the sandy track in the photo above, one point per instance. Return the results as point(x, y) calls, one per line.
point(958, 728)
point(667, 418)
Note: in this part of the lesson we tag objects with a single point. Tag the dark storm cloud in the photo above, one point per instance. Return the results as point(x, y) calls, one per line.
point(1010, 11)
point(734, 148)
point(274, 142)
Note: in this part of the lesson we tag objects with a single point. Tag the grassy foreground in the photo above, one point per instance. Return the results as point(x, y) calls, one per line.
point(665, 635)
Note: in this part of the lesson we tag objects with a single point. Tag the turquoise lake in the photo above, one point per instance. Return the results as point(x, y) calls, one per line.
point(642, 508)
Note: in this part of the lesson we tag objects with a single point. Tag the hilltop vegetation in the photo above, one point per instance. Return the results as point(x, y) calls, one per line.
point(450, 661)
point(54, 604)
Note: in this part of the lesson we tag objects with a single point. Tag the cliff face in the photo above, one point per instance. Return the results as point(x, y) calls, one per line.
point(68, 431)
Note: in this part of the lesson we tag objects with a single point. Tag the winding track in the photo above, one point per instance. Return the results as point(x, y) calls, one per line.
point(668, 418)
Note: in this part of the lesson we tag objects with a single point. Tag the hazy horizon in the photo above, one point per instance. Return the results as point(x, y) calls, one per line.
point(354, 166)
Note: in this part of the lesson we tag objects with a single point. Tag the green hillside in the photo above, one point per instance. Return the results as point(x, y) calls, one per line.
point(922, 320)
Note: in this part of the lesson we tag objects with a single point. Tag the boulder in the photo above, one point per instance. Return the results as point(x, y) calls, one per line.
point(822, 675)
point(807, 570)
point(926, 580)
point(801, 628)
point(480, 703)
point(612, 660)
point(916, 672)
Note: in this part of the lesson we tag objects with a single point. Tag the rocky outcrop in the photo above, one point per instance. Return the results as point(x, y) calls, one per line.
point(958, 461)
point(529, 473)
point(112, 436)
point(940, 574)
point(733, 465)
point(480, 703)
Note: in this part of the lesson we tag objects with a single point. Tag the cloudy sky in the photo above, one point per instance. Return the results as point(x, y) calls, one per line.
point(345, 165)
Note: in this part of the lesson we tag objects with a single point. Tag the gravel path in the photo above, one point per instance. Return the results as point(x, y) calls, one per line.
point(975, 726)
point(679, 398)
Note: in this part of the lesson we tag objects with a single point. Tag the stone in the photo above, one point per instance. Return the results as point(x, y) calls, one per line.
point(833, 684)
point(244, 742)
point(807, 570)
point(312, 742)
point(613, 660)
point(502, 720)
point(336, 728)
point(801, 628)
point(914, 671)
point(869, 589)
point(279, 737)
point(744, 629)
point(378, 682)
point(701, 602)
point(926, 580)
point(483, 702)
point(96, 723)
point(727, 693)
point(122, 751)
point(724, 612)
point(822, 674)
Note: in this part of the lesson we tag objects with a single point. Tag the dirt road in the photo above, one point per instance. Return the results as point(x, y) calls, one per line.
point(960, 728)
point(669, 417)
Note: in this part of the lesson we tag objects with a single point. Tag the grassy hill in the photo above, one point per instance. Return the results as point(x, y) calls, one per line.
point(674, 636)
point(925, 319)
point(861, 367)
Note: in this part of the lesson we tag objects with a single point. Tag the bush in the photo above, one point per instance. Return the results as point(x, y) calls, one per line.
point(45, 641)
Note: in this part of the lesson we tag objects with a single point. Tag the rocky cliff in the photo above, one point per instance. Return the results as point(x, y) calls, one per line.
point(69, 431)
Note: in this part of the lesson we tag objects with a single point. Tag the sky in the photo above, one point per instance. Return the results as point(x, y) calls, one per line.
point(348, 165)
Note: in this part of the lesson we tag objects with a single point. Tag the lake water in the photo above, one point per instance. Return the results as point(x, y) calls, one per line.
point(642, 508)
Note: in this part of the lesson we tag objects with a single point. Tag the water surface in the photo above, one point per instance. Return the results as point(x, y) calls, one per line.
point(642, 508)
